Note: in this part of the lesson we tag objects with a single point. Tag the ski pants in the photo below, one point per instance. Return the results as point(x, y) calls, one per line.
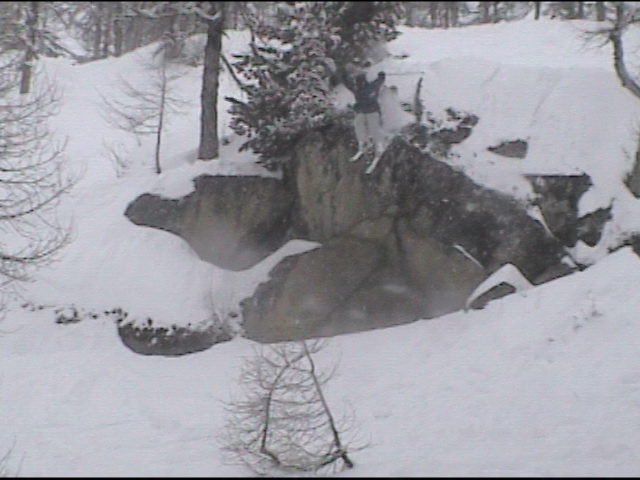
point(368, 130)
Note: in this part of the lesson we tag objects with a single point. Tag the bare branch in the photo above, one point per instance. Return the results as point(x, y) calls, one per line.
point(284, 421)
point(32, 180)
point(143, 110)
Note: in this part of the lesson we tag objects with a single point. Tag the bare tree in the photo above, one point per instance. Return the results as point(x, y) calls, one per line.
point(32, 178)
point(6, 468)
point(212, 15)
point(625, 15)
point(284, 423)
point(4, 461)
point(145, 110)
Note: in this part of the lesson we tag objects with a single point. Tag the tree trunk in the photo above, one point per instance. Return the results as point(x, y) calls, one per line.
point(496, 15)
point(537, 6)
point(454, 14)
point(618, 53)
point(411, 14)
point(433, 13)
point(209, 144)
point(136, 37)
point(446, 9)
point(108, 25)
point(30, 48)
point(163, 96)
point(117, 29)
point(601, 12)
point(570, 9)
point(97, 39)
point(580, 10)
point(485, 11)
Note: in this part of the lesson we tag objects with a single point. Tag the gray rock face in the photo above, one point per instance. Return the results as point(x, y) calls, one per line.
point(170, 342)
point(558, 197)
point(232, 222)
point(411, 240)
point(498, 291)
point(511, 149)
point(307, 291)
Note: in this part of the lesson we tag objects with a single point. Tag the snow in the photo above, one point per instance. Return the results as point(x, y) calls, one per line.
point(542, 382)
point(546, 82)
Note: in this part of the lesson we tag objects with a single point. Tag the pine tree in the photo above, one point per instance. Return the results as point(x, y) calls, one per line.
point(293, 64)
point(288, 88)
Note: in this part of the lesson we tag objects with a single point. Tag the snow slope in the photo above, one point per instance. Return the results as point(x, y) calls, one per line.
point(543, 382)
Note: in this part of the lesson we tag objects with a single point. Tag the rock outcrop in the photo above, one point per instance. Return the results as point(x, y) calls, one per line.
point(558, 197)
point(233, 222)
point(411, 240)
point(511, 149)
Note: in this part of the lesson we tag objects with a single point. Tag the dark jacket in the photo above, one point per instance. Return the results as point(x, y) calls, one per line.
point(366, 93)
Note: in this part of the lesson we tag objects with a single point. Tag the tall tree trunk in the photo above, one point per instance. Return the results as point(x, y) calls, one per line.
point(570, 9)
point(97, 39)
point(601, 12)
point(433, 13)
point(496, 14)
point(108, 25)
point(537, 6)
point(137, 30)
point(446, 8)
point(486, 18)
point(454, 14)
point(618, 53)
point(117, 29)
point(580, 10)
point(163, 96)
point(209, 144)
point(30, 48)
point(411, 13)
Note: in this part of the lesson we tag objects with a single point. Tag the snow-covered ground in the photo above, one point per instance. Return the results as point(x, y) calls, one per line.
point(542, 382)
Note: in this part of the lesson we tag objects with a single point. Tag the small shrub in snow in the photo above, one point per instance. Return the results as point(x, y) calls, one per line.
point(145, 110)
point(6, 470)
point(284, 423)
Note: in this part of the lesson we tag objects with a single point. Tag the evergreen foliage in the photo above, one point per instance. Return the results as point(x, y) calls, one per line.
point(293, 63)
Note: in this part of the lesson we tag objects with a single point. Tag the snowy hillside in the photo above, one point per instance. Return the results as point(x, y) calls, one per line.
point(542, 382)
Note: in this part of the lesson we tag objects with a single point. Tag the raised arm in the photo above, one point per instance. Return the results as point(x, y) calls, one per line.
point(377, 83)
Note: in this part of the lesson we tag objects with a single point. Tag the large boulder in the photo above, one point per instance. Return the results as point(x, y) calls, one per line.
point(307, 290)
point(558, 197)
point(334, 196)
point(230, 221)
point(411, 240)
point(171, 341)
